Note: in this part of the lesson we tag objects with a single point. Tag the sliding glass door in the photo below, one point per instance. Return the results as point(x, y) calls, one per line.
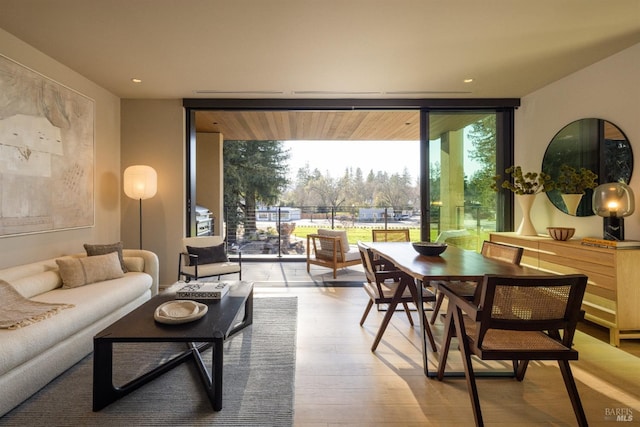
point(461, 161)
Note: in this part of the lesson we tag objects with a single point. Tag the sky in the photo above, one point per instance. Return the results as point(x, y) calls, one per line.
point(335, 156)
point(390, 156)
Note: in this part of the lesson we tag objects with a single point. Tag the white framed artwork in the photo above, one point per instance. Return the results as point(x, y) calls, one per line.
point(46, 153)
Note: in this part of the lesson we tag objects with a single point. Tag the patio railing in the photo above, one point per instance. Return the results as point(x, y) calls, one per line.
point(281, 231)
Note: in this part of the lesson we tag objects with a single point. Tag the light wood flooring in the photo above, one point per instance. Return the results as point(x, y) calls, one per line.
point(340, 382)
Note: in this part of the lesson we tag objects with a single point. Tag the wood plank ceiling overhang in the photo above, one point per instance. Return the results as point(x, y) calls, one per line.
point(359, 125)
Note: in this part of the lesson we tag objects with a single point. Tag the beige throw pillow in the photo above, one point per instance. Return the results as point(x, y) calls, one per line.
point(93, 250)
point(335, 233)
point(83, 271)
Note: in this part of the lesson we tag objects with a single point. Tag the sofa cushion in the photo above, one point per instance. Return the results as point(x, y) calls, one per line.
point(208, 255)
point(335, 233)
point(92, 303)
point(37, 284)
point(93, 250)
point(83, 271)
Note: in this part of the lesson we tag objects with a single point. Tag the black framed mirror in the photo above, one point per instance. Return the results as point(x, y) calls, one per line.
point(594, 144)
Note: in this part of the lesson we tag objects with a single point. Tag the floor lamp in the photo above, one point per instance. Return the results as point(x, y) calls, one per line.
point(140, 182)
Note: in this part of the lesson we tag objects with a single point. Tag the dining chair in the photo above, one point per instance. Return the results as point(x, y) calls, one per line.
point(381, 286)
point(390, 235)
point(499, 251)
point(517, 318)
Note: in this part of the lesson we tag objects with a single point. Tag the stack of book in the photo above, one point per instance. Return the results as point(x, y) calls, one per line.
point(203, 290)
point(613, 244)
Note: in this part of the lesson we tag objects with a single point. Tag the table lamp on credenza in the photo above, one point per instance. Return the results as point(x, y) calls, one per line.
point(613, 201)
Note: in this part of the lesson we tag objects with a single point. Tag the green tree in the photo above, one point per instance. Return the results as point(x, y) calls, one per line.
point(479, 187)
point(395, 190)
point(254, 171)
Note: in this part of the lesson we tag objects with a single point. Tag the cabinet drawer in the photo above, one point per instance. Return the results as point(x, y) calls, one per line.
point(598, 275)
point(515, 241)
point(575, 251)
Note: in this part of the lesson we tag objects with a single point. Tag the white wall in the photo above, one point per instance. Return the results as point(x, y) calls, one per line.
point(23, 249)
point(608, 90)
point(153, 134)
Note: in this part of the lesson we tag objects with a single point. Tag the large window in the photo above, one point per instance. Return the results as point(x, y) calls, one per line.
point(461, 144)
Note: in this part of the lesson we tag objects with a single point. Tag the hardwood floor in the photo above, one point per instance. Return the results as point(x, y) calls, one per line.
point(340, 382)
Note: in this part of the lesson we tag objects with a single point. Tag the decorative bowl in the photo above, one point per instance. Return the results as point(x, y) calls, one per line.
point(429, 248)
point(561, 233)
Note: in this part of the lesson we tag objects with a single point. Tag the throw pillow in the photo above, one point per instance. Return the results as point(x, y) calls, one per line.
point(336, 233)
point(208, 255)
point(93, 250)
point(85, 270)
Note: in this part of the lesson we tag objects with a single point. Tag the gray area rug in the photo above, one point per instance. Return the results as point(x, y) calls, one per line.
point(317, 284)
point(258, 381)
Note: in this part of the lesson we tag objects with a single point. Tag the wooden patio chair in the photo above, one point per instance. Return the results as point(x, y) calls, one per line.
point(381, 285)
point(499, 251)
point(330, 248)
point(517, 318)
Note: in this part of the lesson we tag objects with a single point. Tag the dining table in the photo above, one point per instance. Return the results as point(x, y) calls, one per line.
point(451, 265)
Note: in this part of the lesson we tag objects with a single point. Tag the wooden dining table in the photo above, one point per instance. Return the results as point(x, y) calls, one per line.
point(453, 264)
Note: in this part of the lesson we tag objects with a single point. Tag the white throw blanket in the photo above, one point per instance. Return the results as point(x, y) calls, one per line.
point(17, 311)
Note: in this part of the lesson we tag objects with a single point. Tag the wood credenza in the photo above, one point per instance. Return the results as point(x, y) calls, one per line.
point(612, 298)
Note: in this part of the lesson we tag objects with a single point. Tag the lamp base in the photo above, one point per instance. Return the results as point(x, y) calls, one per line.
point(613, 228)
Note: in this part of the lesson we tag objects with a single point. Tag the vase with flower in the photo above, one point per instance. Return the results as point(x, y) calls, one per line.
point(525, 187)
point(572, 185)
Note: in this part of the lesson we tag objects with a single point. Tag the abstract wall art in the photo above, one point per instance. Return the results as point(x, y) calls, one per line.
point(46, 153)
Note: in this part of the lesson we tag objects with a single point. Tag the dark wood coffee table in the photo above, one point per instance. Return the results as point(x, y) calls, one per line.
point(139, 326)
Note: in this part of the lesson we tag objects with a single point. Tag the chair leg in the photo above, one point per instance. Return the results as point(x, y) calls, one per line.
point(427, 328)
point(366, 312)
point(449, 330)
point(436, 308)
point(406, 310)
point(416, 294)
point(572, 389)
point(465, 351)
point(520, 368)
point(383, 326)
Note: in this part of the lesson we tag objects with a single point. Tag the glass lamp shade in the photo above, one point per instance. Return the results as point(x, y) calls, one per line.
point(140, 182)
point(614, 199)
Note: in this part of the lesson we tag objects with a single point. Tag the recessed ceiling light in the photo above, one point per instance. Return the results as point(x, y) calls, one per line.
point(135, 80)
point(467, 80)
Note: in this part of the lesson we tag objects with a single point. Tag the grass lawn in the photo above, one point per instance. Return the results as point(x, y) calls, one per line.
point(355, 234)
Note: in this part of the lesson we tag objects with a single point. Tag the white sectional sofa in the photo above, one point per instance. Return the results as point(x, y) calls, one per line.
point(33, 355)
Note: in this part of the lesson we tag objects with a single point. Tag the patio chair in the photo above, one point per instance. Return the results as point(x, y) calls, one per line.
point(205, 256)
point(330, 248)
point(517, 318)
point(381, 286)
point(499, 251)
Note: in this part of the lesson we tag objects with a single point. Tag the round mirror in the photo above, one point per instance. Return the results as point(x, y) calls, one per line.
point(594, 144)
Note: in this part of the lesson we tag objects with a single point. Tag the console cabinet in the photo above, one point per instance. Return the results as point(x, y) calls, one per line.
point(612, 298)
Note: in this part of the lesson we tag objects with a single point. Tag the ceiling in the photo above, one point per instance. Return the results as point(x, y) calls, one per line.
point(324, 49)
point(327, 125)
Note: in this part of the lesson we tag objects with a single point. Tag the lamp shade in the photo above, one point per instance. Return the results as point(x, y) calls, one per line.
point(614, 199)
point(140, 182)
